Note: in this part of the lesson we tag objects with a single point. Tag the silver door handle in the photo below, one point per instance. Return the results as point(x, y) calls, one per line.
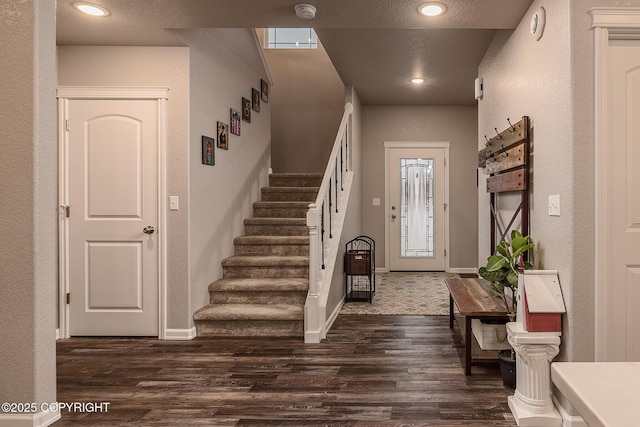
point(148, 229)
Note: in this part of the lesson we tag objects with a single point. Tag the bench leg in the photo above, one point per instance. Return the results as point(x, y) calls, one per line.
point(467, 345)
point(450, 312)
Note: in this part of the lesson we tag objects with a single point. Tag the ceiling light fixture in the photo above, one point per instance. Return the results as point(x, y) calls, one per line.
point(417, 81)
point(305, 11)
point(91, 9)
point(432, 9)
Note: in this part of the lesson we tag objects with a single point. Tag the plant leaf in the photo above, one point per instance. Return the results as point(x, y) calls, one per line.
point(492, 276)
point(522, 249)
point(519, 241)
point(503, 249)
point(512, 278)
point(495, 263)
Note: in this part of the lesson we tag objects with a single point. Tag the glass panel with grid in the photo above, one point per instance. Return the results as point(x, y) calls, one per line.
point(417, 207)
point(291, 38)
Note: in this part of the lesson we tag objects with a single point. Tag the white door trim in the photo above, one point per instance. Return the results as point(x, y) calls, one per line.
point(608, 24)
point(64, 95)
point(388, 145)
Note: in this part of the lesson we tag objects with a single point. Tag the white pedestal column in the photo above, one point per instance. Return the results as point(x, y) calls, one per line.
point(531, 404)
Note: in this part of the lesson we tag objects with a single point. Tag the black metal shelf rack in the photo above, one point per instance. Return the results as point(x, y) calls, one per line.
point(359, 268)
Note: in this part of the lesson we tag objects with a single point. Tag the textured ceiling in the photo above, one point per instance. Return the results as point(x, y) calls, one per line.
point(375, 45)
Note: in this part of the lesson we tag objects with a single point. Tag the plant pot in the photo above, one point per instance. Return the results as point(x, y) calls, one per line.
point(507, 368)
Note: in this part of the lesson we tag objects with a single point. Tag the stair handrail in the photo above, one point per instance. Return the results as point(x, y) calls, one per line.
point(320, 218)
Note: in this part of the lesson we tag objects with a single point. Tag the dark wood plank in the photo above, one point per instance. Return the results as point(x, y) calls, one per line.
point(474, 297)
point(371, 370)
point(509, 159)
point(508, 137)
point(509, 181)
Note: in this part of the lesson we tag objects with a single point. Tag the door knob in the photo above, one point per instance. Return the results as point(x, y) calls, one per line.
point(148, 229)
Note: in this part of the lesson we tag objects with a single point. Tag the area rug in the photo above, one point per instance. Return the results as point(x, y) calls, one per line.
point(409, 293)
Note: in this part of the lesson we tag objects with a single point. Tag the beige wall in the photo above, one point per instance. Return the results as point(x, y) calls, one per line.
point(149, 66)
point(221, 196)
point(205, 81)
point(28, 223)
point(455, 124)
point(551, 81)
point(308, 101)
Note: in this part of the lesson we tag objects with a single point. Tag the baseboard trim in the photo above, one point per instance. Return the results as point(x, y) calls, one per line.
point(180, 334)
point(381, 270)
point(463, 270)
point(39, 419)
point(57, 334)
point(333, 317)
point(568, 420)
point(312, 337)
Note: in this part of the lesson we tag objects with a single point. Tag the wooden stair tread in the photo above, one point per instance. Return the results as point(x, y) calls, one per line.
point(271, 240)
point(250, 312)
point(265, 261)
point(289, 284)
point(275, 221)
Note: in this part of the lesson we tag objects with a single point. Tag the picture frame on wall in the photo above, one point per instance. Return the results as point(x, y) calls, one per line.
point(223, 135)
point(208, 153)
point(255, 100)
point(246, 110)
point(264, 90)
point(235, 122)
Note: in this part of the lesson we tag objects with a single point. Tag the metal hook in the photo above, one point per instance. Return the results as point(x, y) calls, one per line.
point(497, 133)
point(487, 140)
point(512, 129)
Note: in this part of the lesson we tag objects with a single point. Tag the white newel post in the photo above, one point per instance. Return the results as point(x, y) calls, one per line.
point(311, 308)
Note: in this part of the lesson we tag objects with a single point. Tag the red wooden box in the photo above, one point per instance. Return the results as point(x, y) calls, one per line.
point(543, 303)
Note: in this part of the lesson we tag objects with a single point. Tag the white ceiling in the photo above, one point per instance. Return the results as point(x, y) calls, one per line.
point(375, 45)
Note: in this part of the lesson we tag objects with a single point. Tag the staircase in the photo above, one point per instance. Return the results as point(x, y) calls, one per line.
point(264, 285)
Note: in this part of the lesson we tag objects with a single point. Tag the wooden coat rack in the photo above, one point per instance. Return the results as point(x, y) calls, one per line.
point(506, 159)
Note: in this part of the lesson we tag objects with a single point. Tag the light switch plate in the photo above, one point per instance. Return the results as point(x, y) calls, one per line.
point(376, 201)
point(554, 205)
point(173, 203)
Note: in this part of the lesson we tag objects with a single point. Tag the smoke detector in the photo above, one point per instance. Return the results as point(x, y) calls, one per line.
point(305, 11)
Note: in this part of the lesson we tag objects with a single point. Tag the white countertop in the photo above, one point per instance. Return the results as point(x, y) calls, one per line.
point(605, 394)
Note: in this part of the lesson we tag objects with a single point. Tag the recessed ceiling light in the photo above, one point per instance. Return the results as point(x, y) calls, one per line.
point(417, 81)
point(432, 9)
point(91, 9)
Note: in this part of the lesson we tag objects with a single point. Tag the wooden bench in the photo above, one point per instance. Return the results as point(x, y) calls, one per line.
point(475, 300)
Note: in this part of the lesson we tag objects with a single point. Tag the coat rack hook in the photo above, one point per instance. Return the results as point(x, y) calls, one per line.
point(498, 133)
point(511, 128)
point(487, 140)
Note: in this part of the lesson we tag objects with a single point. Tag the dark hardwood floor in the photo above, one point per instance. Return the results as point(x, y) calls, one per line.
point(371, 371)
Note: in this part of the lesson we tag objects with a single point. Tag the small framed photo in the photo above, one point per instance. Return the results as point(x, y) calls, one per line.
point(246, 110)
point(208, 154)
point(235, 122)
point(264, 91)
point(223, 136)
point(255, 100)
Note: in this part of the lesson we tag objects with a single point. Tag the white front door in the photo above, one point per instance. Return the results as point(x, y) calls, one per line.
point(416, 209)
point(623, 305)
point(113, 216)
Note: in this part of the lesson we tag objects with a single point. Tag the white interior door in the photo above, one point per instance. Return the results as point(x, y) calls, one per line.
point(113, 217)
point(416, 215)
point(623, 299)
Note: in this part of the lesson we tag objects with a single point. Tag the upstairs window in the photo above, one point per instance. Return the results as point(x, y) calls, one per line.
point(291, 38)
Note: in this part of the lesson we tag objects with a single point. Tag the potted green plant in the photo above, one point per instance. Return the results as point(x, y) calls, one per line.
point(502, 271)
